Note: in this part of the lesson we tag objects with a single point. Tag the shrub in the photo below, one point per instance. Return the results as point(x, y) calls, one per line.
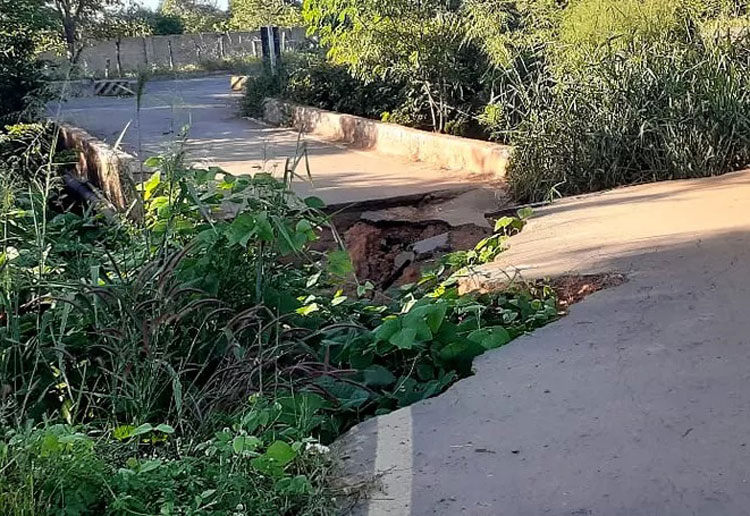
point(189, 361)
point(309, 79)
point(20, 73)
point(258, 88)
point(61, 469)
point(313, 81)
point(163, 24)
point(653, 111)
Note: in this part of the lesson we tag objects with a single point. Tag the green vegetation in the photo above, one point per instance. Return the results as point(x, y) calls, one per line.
point(20, 74)
point(253, 14)
point(591, 93)
point(195, 15)
point(657, 112)
point(201, 359)
point(307, 78)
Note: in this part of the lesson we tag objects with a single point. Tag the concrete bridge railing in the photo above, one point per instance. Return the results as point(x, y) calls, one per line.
point(441, 150)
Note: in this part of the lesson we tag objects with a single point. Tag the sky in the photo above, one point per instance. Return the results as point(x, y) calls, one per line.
point(153, 4)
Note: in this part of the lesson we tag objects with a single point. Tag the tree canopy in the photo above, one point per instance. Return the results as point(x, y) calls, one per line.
point(195, 15)
point(252, 14)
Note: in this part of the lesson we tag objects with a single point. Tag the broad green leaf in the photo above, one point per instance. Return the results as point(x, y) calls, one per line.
point(288, 241)
point(50, 445)
point(151, 185)
point(338, 300)
point(410, 391)
point(490, 338)
point(149, 465)
point(297, 485)
point(308, 309)
point(143, 429)
point(404, 339)
point(432, 314)
point(153, 162)
point(264, 228)
point(525, 213)
point(281, 452)
point(313, 280)
point(377, 376)
point(204, 176)
point(503, 223)
point(348, 396)
point(315, 202)
point(304, 226)
point(165, 429)
point(461, 354)
point(417, 322)
point(387, 329)
point(242, 228)
point(363, 289)
point(339, 263)
point(245, 443)
point(425, 372)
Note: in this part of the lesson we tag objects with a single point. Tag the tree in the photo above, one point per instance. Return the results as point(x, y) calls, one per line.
point(453, 54)
point(418, 42)
point(20, 77)
point(195, 15)
point(253, 14)
point(163, 24)
point(75, 16)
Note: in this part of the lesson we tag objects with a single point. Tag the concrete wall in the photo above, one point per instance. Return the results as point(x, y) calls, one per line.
point(444, 151)
point(111, 171)
point(178, 50)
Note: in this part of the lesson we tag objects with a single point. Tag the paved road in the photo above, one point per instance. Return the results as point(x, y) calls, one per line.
point(218, 136)
point(636, 403)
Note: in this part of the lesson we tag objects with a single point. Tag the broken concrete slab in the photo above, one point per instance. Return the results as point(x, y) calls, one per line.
point(432, 245)
point(468, 207)
point(403, 259)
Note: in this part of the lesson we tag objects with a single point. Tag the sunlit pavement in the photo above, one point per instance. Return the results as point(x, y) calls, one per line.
point(636, 403)
point(217, 135)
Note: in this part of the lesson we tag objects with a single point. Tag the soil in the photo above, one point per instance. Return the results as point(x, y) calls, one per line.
point(381, 251)
point(573, 289)
point(375, 247)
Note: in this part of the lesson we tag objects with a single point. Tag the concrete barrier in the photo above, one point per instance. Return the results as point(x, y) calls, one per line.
point(444, 151)
point(114, 88)
point(110, 170)
point(238, 82)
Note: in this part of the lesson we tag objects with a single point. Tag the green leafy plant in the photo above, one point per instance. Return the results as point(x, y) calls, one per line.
point(202, 358)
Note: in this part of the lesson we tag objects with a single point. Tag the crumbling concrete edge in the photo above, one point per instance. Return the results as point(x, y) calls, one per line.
point(110, 170)
point(444, 151)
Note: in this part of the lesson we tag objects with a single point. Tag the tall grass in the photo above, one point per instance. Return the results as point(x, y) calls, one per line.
point(652, 111)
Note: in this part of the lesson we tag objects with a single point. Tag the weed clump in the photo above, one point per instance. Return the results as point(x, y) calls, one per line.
point(202, 358)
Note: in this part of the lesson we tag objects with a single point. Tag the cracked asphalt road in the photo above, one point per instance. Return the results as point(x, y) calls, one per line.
point(636, 403)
